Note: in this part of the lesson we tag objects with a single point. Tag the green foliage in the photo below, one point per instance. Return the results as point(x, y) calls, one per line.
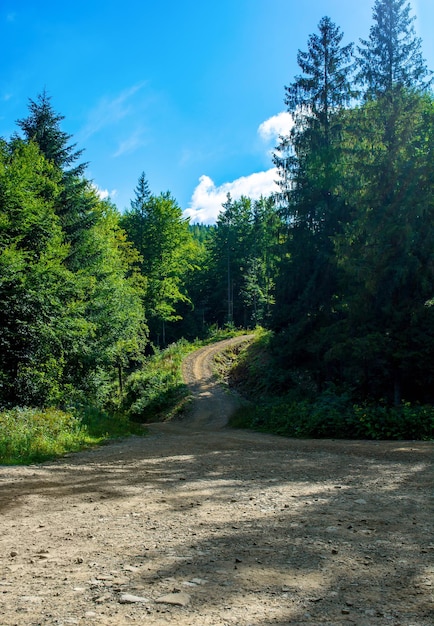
point(392, 56)
point(35, 435)
point(356, 270)
point(33, 278)
point(102, 426)
point(71, 308)
point(334, 416)
point(158, 231)
point(157, 391)
point(287, 403)
point(42, 126)
point(386, 252)
point(342, 269)
point(311, 163)
point(241, 263)
point(201, 232)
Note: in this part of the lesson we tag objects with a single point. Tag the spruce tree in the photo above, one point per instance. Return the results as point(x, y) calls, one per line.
point(388, 260)
point(310, 162)
point(75, 205)
point(134, 219)
point(43, 127)
point(314, 100)
point(155, 226)
point(391, 58)
point(386, 254)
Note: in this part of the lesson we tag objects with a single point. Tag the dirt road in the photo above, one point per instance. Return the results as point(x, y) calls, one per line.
point(200, 525)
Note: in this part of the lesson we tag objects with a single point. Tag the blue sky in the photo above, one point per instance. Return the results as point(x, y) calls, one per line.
point(189, 92)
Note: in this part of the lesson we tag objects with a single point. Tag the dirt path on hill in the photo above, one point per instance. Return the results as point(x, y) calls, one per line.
point(201, 525)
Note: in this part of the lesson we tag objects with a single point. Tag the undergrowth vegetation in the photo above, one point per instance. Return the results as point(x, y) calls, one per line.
point(287, 403)
point(155, 392)
point(31, 435)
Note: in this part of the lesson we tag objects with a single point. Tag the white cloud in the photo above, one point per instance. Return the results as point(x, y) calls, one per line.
point(207, 199)
point(104, 194)
point(206, 202)
point(275, 126)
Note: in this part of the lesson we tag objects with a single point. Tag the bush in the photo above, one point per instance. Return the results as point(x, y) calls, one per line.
point(286, 402)
point(35, 435)
point(29, 435)
point(334, 416)
point(157, 390)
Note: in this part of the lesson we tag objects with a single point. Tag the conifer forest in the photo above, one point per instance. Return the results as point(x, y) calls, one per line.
point(337, 269)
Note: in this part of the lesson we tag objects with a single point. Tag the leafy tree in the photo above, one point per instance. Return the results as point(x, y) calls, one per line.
point(196, 313)
point(112, 299)
point(33, 279)
point(65, 327)
point(156, 227)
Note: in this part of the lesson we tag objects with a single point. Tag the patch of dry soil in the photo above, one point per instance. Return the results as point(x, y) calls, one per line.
point(198, 524)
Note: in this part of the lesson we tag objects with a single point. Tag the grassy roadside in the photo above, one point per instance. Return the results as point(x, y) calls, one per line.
point(156, 392)
point(33, 435)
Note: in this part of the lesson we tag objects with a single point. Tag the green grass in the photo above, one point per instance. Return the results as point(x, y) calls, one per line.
point(155, 392)
point(30, 435)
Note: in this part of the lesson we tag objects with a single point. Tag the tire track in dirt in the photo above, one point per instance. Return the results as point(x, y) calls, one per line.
point(212, 404)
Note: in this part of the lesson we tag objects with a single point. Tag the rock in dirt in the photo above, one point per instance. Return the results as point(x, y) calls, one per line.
point(128, 598)
point(177, 599)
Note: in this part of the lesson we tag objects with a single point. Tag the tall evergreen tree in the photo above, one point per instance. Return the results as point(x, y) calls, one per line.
point(35, 287)
point(241, 262)
point(310, 162)
point(134, 219)
point(391, 58)
point(261, 270)
point(43, 126)
point(71, 306)
point(388, 260)
point(229, 249)
point(386, 253)
point(314, 100)
point(156, 227)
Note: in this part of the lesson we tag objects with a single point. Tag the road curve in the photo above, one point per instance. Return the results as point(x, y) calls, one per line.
point(212, 404)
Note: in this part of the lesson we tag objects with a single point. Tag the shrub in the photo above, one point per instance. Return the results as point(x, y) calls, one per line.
point(157, 389)
point(35, 435)
point(29, 435)
point(334, 416)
